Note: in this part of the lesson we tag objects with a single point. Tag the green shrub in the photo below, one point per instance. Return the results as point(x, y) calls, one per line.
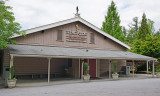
point(114, 67)
point(157, 68)
point(141, 67)
point(85, 68)
point(12, 72)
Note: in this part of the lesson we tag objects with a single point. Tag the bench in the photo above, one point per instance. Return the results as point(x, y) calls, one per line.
point(37, 74)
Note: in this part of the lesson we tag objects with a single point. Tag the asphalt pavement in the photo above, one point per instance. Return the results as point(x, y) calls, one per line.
point(137, 87)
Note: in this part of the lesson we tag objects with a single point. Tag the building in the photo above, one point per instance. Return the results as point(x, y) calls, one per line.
point(58, 49)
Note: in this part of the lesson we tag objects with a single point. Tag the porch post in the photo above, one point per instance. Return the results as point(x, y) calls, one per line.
point(96, 68)
point(82, 71)
point(49, 65)
point(133, 69)
point(11, 64)
point(79, 68)
point(109, 69)
point(147, 66)
point(153, 69)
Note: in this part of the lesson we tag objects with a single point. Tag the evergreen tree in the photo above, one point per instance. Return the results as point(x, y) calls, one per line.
point(124, 31)
point(111, 25)
point(8, 26)
point(151, 26)
point(149, 47)
point(133, 28)
point(144, 29)
point(157, 33)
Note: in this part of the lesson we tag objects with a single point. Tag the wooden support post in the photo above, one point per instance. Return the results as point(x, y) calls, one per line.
point(88, 65)
point(49, 66)
point(153, 69)
point(133, 69)
point(79, 68)
point(96, 68)
point(109, 69)
point(147, 66)
point(11, 64)
point(82, 71)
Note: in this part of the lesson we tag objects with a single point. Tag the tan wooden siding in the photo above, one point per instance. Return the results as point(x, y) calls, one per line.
point(58, 65)
point(49, 38)
point(6, 58)
point(38, 65)
point(75, 67)
point(104, 66)
point(30, 65)
point(98, 68)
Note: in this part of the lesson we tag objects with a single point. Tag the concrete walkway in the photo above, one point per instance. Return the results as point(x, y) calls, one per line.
point(57, 81)
point(137, 87)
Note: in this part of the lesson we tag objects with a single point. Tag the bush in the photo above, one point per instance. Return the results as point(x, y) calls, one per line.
point(141, 67)
point(85, 68)
point(114, 67)
point(157, 68)
point(12, 72)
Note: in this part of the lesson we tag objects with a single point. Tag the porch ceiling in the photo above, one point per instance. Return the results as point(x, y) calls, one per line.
point(66, 52)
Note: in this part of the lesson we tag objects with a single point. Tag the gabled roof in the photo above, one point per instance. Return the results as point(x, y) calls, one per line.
point(52, 25)
point(66, 52)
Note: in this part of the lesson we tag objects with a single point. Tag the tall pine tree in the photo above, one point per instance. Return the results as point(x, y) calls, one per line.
point(144, 29)
point(111, 25)
point(133, 28)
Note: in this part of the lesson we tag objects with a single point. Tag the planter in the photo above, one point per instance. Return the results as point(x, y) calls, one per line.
point(86, 78)
point(11, 83)
point(158, 75)
point(115, 76)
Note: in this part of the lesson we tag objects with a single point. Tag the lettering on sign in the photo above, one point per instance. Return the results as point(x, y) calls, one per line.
point(76, 36)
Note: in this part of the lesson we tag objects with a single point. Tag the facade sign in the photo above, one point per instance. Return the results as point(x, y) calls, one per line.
point(76, 36)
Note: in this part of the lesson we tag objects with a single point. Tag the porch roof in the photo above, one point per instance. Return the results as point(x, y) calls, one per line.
point(67, 52)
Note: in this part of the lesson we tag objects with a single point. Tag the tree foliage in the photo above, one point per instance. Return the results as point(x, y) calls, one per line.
point(8, 26)
point(157, 33)
point(133, 28)
point(146, 42)
point(144, 29)
point(149, 47)
point(111, 25)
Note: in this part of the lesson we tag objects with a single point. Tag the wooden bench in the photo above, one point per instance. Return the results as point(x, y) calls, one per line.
point(37, 74)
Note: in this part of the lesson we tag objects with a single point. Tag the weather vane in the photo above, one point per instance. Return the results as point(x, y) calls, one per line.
point(77, 9)
point(77, 14)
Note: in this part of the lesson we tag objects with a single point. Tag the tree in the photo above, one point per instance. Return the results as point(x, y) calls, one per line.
point(149, 47)
point(151, 26)
point(133, 28)
point(124, 31)
point(157, 33)
point(8, 26)
point(111, 25)
point(144, 29)
point(146, 43)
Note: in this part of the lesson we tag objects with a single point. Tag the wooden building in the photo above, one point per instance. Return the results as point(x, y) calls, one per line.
point(58, 50)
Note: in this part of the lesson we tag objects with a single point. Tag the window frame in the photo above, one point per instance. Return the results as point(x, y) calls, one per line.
point(92, 38)
point(60, 35)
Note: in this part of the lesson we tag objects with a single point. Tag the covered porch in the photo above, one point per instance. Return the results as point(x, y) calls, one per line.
point(70, 60)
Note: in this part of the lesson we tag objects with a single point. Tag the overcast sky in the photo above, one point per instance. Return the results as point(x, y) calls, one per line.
point(33, 13)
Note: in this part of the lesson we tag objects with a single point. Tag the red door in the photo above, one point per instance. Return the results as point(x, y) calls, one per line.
point(92, 67)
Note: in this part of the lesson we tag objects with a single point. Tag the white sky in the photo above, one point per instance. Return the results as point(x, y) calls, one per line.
point(33, 13)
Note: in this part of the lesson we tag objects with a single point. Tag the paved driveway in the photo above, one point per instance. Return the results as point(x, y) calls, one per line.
point(142, 87)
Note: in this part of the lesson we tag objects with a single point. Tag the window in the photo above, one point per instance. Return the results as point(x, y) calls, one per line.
point(92, 38)
point(59, 35)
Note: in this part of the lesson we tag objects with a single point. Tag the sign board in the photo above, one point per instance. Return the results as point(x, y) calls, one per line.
point(76, 36)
